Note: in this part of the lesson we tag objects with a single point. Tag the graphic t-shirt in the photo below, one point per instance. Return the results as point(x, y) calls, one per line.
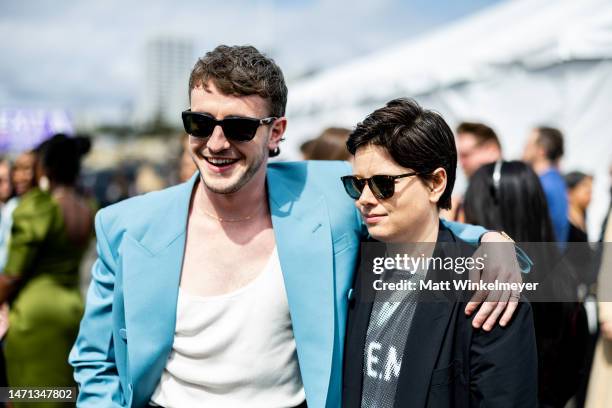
point(388, 329)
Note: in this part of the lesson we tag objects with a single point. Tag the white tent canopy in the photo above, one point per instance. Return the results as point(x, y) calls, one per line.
point(512, 66)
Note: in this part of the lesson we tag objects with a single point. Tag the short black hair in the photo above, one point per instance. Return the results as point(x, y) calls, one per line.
point(61, 156)
point(416, 138)
point(551, 140)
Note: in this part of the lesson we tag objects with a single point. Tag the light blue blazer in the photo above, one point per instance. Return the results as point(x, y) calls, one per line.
point(127, 331)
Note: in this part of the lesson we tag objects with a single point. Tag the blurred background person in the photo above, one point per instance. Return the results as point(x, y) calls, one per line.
point(583, 258)
point(186, 165)
point(6, 186)
point(51, 230)
point(607, 217)
point(148, 179)
point(329, 145)
point(4, 310)
point(305, 147)
point(508, 196)
point(579, 193)
point(24, 172)
point(599, 391)
point(22, 178)
point(543, 152)
point(477, 145)
point(3, 329)
point(119, 187)
point(7, 205)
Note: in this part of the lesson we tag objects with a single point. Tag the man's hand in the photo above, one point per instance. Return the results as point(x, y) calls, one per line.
point(501, 264)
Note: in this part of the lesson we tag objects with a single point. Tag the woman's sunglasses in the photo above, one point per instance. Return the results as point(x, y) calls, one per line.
point(238, 129)
point(381, 186)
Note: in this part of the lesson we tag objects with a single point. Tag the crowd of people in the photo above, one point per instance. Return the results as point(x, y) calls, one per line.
point(265, 313)
point(535, 201)
point(46, 226)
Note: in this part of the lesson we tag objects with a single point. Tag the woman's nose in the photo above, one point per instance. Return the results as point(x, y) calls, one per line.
point(366, 197)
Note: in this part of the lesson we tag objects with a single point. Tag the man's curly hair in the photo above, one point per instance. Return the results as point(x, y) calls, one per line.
point(242, 70)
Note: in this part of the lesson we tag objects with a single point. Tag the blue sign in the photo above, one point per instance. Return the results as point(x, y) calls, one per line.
point(24, 129)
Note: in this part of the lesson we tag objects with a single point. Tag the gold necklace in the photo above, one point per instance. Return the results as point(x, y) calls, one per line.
point(231, 219)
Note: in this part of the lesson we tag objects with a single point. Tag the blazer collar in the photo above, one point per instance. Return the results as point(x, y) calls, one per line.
point(169, 219)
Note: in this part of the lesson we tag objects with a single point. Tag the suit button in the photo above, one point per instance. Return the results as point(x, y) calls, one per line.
point(123, 333)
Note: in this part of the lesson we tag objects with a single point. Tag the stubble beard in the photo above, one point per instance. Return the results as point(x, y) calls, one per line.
point(243, 180)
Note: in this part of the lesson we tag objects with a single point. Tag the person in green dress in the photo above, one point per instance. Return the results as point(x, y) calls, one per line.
point(51, 231)
point(22, 178)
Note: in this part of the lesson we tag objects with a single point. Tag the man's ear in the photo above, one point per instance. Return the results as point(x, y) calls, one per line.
point(437, 184)
point(277, 130)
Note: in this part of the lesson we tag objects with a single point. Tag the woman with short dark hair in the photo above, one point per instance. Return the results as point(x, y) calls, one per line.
point(402, 348)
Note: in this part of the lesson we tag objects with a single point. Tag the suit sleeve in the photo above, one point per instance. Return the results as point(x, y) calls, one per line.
point(504, 364)
point(466, 232)
point(92, 355)
point(472, 234)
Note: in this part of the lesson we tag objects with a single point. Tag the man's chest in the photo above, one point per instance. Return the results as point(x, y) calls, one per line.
point(216, 262)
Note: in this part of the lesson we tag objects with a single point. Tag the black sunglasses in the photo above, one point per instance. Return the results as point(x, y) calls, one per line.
point(381, 186)
point(238, 129)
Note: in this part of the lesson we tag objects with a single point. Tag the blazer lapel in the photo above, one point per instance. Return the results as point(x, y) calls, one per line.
point(425, 338)
point(357, 328)
point(421, 350)
point(303, 239)
point(151, 273)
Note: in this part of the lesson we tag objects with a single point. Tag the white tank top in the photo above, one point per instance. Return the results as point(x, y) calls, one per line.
point(234, 350)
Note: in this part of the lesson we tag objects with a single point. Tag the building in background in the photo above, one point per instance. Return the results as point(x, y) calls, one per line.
point(167, 64)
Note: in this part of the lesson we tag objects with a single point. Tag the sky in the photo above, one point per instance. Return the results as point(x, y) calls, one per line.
point(88, 56)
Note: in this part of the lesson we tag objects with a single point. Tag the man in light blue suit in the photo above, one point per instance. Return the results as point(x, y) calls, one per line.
point(230, 289)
